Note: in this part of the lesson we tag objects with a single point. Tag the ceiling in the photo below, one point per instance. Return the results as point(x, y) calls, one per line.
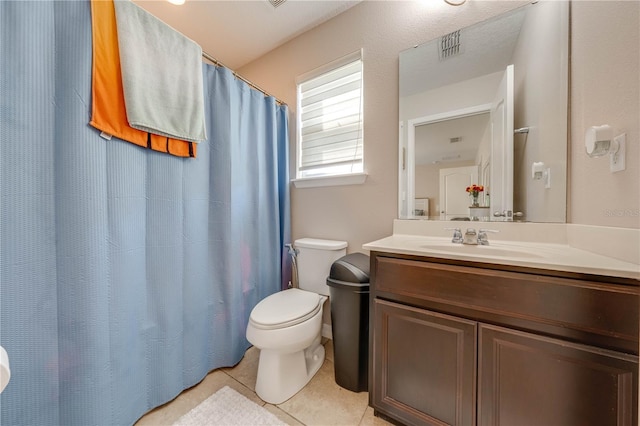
point(433, 144)
point(485, 48)
point(240, 31)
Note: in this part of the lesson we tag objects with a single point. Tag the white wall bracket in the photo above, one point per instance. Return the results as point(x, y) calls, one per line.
point(617, 159)
point(599, 141)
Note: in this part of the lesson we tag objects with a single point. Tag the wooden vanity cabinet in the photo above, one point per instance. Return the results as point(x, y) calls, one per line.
point(465, 343)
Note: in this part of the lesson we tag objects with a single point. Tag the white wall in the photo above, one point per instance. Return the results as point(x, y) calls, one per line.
point(540, 104)
point(605, 89)
point(475, 91)
point(600, 93)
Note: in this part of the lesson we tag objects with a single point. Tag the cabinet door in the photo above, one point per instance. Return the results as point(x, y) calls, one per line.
point(424, 366)
point(526, 379)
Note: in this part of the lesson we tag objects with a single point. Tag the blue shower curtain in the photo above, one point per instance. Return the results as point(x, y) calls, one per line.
point(126, 274)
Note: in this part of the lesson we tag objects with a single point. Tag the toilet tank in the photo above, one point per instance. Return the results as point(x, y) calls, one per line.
point(315, 258)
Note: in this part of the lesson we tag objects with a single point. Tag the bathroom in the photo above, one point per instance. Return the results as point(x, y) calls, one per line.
point(603, 89)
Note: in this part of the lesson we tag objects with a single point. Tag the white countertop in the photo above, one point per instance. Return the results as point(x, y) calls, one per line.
point(551, 256)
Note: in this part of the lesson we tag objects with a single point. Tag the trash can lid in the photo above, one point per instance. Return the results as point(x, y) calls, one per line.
point(353, 268)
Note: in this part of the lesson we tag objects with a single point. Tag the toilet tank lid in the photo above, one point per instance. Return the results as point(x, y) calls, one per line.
point(316, 243)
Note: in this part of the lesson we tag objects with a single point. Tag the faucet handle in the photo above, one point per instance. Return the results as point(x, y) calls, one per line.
point(457, 235)
point(483, 240)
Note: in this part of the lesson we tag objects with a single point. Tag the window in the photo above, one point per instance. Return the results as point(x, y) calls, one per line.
point(330, 122)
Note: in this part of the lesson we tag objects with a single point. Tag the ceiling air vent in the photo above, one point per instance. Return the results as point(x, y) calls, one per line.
point(276, 3)
point(455, 140)
point(450, 45)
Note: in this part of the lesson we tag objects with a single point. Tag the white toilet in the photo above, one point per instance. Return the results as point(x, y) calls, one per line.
point(286, 326)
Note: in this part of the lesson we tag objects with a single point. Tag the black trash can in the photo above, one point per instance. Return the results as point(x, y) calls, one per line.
point(348, 284)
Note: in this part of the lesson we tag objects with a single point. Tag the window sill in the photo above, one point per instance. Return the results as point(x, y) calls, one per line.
point(314, 182)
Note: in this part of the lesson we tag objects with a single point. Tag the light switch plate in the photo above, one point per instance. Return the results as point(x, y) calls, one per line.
point(617, 160)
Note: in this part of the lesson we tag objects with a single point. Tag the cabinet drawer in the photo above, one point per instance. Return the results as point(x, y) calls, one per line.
point(600, 314)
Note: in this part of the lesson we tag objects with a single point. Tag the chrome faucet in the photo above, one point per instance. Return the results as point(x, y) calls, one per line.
point(470, 237)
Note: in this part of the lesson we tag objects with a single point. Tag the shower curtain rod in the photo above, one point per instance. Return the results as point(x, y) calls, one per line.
point(239, 77)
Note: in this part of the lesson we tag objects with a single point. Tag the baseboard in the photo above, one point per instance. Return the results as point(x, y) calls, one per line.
point(326, 331)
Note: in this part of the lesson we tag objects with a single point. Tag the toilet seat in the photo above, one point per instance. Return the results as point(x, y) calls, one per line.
point(285, 308)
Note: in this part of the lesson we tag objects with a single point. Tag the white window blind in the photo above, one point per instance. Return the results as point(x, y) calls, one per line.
point(330, 122)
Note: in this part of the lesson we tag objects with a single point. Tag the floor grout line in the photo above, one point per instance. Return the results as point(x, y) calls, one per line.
point(246, 387)
point(363, 414)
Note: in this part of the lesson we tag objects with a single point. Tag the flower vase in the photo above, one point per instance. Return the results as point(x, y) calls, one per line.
point(474, 200)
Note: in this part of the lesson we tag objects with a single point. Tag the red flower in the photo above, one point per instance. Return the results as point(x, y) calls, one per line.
point(475, 189)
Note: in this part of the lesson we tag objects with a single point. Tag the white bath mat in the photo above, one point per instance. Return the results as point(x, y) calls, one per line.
point(227, 407)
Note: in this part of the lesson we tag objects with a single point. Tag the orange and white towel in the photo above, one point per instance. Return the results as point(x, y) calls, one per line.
point(108, 105)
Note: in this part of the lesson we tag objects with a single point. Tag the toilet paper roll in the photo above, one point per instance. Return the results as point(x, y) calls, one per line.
point(5, 371)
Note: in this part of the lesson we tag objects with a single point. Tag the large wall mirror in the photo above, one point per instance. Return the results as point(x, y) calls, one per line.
point(487, 105)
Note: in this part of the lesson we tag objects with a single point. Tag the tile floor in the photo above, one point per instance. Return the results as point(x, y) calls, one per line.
point(321, 402)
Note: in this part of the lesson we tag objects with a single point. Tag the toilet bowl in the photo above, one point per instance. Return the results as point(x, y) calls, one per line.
point(286, 326)
point(290, 351)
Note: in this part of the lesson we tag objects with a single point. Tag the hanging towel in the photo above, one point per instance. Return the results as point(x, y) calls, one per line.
point(108, 108)
point(161, 75)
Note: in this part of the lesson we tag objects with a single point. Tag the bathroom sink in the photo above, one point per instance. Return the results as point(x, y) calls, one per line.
point(490, 250)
